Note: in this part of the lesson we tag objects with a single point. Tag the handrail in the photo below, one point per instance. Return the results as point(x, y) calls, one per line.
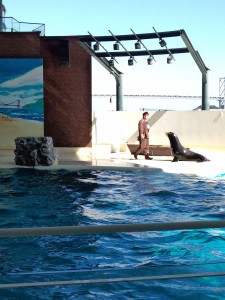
point(10, 24)
point(158, 96)
point(105, 229)
point(108, 280)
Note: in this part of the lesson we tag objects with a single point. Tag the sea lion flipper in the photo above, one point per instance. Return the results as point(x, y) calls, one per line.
point(175, 159)
point(203, 159)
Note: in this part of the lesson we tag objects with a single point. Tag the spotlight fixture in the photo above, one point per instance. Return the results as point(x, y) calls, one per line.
point(111, 62)
point(130, 61)
point(116, 46)
point(170, 59)
point(96, 46)
point(137, 45)
point(150, 60)
point(162, 43)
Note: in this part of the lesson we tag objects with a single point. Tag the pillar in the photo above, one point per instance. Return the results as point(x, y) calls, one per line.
point(119, 93)
point(205, 96)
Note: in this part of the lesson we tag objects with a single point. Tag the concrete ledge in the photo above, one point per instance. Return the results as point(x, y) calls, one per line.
point(74, 153)
point(215, 168)
point(100, 151)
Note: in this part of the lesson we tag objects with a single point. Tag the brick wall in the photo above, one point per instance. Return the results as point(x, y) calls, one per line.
point(19, 45)
point(67, 88)
point(67, 94)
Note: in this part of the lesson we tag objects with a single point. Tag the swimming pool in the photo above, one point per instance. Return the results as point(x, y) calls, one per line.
point(32, 198)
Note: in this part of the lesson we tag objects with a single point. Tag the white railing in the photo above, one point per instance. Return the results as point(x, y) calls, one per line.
point(106, 229)
point(9, 24)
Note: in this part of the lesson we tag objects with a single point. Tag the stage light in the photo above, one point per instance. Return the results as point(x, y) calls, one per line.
point(111, 62)
point(150, 60)
point(170, 59)
point(137, 45)
point(130, 61)
point(162, 43)
point(116, 46)
point(96, 46)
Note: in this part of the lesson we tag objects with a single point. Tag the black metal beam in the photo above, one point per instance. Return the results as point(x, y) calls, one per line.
point(130, 37)
point(86, 41)
point(196, 56)
point(103, 61)
point(141, 53)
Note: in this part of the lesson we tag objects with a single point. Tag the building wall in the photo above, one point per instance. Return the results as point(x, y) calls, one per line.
point(67, 88)
point(194, 128)
point(67, 94)
point(19, 45)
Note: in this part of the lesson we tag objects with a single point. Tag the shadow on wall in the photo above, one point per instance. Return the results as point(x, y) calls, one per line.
point(218, 117)
point(194, 128)
point(94, 125)
point(152, 120)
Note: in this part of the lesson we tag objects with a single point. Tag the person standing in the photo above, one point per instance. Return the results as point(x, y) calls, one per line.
point(143, 137)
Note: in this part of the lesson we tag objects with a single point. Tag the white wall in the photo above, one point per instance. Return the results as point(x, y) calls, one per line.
point(194, 128)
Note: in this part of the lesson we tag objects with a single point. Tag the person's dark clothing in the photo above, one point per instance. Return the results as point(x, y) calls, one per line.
point(143, 137)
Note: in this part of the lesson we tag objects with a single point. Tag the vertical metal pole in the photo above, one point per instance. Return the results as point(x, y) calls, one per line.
point(1, 16)
point(205, 96)
point(197, 58)
point(119, 93)
point(222, 93)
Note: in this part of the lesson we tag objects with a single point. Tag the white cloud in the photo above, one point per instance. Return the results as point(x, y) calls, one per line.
point(34, 76)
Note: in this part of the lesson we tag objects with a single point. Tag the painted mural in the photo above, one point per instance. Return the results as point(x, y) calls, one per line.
point(21, 99)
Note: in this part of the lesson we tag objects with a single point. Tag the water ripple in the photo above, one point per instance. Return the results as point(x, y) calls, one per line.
point(30, 197)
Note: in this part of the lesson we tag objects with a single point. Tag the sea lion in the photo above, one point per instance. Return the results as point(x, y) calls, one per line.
point(182, 153)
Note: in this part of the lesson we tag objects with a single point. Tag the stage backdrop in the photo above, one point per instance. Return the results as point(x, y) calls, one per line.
point(21, 99)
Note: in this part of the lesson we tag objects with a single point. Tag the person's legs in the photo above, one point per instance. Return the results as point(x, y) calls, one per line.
point(146, 149)
point(137, 151)
point(144, 146)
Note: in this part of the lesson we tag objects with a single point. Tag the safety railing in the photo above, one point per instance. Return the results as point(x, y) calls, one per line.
point(107, 229)
point(9, 24)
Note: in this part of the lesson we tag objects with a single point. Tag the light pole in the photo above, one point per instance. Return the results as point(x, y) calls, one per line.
point(1, 14)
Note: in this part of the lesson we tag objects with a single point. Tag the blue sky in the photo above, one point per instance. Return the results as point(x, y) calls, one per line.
point(203, 21)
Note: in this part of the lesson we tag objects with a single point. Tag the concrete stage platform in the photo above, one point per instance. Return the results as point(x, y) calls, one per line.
point(215, 168)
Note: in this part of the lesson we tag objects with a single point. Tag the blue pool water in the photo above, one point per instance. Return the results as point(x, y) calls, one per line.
point(32, 198)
